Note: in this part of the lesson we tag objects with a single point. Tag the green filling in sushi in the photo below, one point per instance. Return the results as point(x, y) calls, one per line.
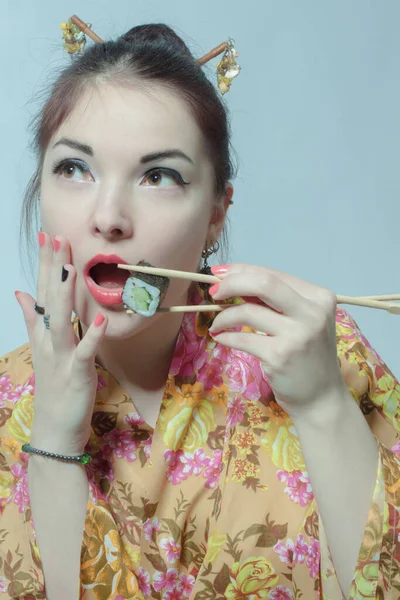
point(143, 293)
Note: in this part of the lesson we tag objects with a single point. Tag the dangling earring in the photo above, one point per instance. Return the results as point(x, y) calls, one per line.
point(205, 255)
point(205, 269)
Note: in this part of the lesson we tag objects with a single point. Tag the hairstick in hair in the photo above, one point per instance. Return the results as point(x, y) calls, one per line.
point(75, 31)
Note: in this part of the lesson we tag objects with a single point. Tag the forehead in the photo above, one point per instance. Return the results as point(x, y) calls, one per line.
point(134, 120)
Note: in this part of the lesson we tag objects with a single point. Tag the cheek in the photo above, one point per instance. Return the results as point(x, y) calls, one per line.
point(176, 238)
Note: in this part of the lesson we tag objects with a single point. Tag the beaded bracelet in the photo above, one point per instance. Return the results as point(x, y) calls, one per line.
point(84, 458)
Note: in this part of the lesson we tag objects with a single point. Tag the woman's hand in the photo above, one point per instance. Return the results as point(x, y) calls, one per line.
point(298, 354)
point(66, 378)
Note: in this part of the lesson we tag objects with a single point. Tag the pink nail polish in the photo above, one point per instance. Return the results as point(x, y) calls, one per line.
point(41, 238)
point(214, 333)
point(99, 320)
point(213, 289)
point(56, 244)
point(16, 293)
point(219, 269)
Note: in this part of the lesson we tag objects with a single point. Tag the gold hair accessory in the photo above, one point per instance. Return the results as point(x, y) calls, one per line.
point(75, 32)
point(74, 35)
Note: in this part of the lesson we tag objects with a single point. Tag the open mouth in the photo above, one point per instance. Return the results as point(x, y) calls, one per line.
point(108, 275)
point(104, 280)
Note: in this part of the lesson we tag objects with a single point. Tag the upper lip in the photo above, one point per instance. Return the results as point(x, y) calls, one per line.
point(108, 259)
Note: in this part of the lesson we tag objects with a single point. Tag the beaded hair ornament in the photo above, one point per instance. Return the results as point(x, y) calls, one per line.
point(75, 32)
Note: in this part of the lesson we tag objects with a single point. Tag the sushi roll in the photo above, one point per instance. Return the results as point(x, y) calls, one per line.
point(143, 293)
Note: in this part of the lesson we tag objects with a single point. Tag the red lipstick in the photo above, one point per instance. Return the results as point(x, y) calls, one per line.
point(104, 280)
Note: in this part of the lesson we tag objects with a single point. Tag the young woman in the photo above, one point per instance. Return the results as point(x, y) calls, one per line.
point(249, 455)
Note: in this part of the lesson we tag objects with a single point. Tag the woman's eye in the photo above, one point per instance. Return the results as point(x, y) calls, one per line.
point(162, 178)
point(73, 170)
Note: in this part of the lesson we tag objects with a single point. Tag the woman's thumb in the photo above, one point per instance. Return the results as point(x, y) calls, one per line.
point(27, 303)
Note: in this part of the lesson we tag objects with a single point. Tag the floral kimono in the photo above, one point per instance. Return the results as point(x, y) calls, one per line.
point(214, 503)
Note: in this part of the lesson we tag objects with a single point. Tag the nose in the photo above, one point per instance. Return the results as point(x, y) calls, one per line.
point(112, 219)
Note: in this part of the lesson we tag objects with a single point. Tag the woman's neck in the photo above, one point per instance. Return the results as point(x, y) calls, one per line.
point(143, 360)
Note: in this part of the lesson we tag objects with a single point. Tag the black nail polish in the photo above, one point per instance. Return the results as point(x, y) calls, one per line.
point(64, 274)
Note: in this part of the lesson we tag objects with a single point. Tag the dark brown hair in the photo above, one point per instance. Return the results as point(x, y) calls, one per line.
point(145, 53)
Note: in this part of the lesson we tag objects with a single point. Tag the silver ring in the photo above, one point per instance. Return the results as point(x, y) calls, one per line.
point(46, 320)
point(39, 309)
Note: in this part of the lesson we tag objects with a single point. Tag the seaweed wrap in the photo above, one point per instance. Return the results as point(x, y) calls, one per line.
point(143, 293)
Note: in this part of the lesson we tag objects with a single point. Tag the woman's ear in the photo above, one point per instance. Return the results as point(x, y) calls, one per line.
point(219, 212)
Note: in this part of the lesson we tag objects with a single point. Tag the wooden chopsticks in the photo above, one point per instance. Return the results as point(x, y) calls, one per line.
point(383, 302)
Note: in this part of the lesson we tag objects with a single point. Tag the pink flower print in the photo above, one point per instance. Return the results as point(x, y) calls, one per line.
point(150, 527)
point(186, 583)
point(246, 376)
point(133, 419)
point(21, 493)
point(236, 410)
point(122, 444)
point(193, 464)
point(144, 582)
point(190, 351)
point(173, 595)
point(172, 549)
point(396, 448)
point(298, 486)
point(166, 580)
point(147, 445)
point(211, 374)
point(285, 552)
point(213, 470)
point(313, 558)
point(22, 390)
point(100, 382)
point(101, 464)
point(175, 470)
point(300, 550)
point(6, 392)
point(3, 584)
point(280, 593)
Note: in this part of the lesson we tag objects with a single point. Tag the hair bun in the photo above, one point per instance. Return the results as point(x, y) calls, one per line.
point(158, 35)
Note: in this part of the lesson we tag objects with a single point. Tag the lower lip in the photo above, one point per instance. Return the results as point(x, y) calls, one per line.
point(105, 296)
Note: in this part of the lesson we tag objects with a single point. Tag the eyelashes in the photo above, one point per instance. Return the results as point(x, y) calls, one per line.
point(74, 164)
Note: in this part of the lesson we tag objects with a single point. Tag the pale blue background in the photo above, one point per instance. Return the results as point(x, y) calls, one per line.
point(315, 117)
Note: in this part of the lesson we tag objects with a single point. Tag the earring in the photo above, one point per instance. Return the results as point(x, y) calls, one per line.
point(205, 269)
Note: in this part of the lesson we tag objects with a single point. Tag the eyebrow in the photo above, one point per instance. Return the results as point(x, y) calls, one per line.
point(165, 154)
point(173, 153)
point(75, 145)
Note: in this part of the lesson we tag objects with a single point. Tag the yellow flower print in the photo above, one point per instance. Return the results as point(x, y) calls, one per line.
point(283, 445)
point(134, 556)
point(215, 543)
point(190, 394)
point(186, 424)
point(219, 396)
point(244, 441)
point(12, 447)
point(6, 484)
point(365, 582)
point(242, 469)
point(252, 470)
point(255, 416)
point(20, 422)
point(105, 564)
point(252, 579)
point(239, 470)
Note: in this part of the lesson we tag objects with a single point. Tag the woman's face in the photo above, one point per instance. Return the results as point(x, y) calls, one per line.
point(128, 174)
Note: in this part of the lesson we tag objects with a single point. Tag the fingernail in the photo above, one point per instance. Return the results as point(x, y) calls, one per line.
point(214, 333)
point(56, 244)
point(16, 293)
point(41, 238)
point(64, 274)
point(219, 269)
point(99, 320)
point(213, 289)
